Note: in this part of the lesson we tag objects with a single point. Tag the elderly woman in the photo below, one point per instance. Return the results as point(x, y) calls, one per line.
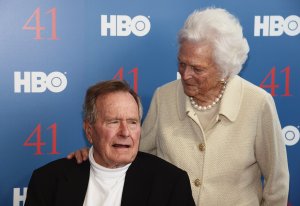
point(223, 130)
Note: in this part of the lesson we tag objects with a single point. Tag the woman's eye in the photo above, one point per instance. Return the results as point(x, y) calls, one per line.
point(181, 64)
point(197, 70)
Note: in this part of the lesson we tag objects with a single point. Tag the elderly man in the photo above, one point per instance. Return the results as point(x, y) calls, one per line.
point(116, 173)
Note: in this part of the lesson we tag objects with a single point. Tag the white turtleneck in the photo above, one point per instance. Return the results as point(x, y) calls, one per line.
point(105, 185)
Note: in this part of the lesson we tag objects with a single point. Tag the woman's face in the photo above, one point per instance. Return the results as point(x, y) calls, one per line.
point(199, 74)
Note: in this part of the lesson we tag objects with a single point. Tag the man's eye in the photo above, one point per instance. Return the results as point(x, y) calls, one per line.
point(133, 122)
point(113, 122)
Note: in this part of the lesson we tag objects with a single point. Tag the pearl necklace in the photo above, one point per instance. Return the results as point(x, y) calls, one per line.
point(217, 99)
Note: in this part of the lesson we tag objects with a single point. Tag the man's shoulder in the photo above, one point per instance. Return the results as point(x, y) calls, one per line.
point(154, 163)
point(61, 166)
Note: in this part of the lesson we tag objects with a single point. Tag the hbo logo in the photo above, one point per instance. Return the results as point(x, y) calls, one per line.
point(291, 135)
point(122, 25)
point(277, 25)
point(38, 82)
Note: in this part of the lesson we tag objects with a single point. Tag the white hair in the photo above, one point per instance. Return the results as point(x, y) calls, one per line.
point(224, 32)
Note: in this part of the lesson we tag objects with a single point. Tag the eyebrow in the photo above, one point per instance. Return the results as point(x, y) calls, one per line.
point(192, 65)
point(117, 118)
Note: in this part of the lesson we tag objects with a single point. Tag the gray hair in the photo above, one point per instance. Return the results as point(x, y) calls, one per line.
point(104, 88)
point(224, 32)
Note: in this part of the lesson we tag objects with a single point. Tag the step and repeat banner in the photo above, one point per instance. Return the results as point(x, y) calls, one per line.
point(51, 51)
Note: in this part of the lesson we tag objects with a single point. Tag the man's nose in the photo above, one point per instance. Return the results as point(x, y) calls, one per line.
point(124, 131)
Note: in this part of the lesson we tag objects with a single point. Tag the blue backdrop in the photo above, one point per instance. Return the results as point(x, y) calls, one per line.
point(51, 51)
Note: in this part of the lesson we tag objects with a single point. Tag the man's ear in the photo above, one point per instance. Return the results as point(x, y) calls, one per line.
point(88, 131)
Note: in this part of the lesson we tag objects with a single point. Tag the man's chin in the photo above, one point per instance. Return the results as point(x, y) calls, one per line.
point(125, 160)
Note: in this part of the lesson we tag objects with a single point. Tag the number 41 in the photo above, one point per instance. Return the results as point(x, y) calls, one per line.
point(273, 86)
point(39, 143)
point(38, 28)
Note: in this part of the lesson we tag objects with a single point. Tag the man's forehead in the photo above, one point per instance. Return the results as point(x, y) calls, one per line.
point(113, 102)
point(116, 94)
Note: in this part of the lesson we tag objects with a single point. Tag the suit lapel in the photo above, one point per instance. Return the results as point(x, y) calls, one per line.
point(75, 185)
point(136, 186)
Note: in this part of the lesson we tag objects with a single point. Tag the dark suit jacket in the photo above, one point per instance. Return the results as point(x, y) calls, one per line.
point(149, 181)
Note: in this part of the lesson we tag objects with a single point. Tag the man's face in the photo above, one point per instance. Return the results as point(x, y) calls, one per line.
point(198, 72)
point(116, 133)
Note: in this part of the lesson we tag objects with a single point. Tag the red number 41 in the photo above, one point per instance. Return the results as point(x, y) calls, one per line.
point(38, 28)
point(38, 143)
point(119, 75)
point(273, 86)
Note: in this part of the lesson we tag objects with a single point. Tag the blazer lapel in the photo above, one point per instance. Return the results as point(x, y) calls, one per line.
point(75, 187)
point(136, 186)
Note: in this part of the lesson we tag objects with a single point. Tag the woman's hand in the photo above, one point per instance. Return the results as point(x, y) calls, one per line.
point(80, 155)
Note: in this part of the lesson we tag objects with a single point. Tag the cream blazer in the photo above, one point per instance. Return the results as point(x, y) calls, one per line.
point(227, 162)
